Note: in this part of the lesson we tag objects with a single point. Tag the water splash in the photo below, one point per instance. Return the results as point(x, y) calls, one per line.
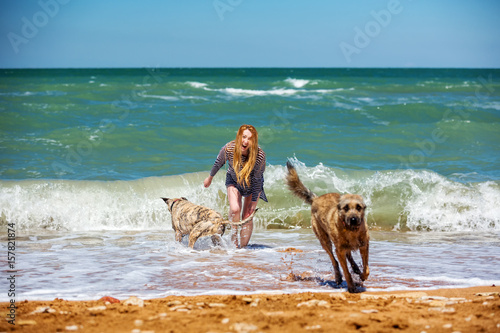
point(417, 200)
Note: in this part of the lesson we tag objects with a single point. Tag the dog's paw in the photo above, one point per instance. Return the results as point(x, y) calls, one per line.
point(364, 276)
point(352, 289)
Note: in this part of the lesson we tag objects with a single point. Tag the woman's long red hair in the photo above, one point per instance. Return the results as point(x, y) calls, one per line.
point(243, 170)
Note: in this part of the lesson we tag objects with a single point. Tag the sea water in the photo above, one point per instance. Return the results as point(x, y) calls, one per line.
point(87, 154)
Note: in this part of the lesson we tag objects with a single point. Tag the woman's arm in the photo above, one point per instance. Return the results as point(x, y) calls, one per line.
point(219, 162)
point(208, 181)
point(257, 178)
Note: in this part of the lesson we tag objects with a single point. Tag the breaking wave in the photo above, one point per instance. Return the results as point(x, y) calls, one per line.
point(417, 200)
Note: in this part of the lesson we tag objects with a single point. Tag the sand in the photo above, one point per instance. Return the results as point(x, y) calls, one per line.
point(474, 309)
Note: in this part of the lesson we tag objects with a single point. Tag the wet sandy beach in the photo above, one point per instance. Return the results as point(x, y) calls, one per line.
point(475, 309)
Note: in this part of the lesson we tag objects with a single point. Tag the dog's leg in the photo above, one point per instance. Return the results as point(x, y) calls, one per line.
point(204, 228)
point(342, 256)
point(178, 236)
point(192, 239)
point(217, 240)
point(327, 246)
point(354, 266)
point(364, 250)
point(196, 233)
point(217, 237)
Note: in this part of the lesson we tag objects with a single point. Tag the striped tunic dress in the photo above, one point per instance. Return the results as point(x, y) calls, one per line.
point(226, 154)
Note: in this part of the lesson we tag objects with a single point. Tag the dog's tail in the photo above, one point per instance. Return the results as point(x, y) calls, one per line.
point(248, 219)
point(296, 186)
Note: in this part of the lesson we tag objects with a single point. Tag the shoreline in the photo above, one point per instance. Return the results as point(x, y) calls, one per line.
point(472, 309)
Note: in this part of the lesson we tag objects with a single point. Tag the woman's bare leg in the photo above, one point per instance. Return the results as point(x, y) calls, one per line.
point(247, 229)
point(234, 198)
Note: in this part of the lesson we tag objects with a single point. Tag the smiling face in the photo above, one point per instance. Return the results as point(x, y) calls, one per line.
point(246, 142)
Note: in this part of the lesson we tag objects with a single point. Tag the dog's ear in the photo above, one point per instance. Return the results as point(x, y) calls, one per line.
point(165, 199)
point(183, 198)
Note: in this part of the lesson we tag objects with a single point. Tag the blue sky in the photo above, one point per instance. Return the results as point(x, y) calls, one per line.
point(250, 33)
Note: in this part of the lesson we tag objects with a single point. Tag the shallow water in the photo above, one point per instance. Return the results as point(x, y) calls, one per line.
point(150, 264)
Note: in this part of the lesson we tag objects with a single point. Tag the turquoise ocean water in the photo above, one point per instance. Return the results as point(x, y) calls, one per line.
point(85, 155)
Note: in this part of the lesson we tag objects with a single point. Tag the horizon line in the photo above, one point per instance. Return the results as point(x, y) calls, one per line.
point(235, 67)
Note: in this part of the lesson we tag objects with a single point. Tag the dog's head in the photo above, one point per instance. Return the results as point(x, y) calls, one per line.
point(351, 209)
point(171, 202)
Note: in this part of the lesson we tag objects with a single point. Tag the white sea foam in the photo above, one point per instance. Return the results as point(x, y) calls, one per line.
point(50, 142)
point(277, 91)
point(96, 205)
point(329, 91)
point(197, 84)
point(419, 200)
point(488, 105)
point(166, 98)
point(297, 83)
point(366, 100)
point(251, 92)
point(443, 205)
point(299, 93)
point(402, 199)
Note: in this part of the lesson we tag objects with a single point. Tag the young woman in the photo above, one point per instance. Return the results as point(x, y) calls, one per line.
point(244, 178)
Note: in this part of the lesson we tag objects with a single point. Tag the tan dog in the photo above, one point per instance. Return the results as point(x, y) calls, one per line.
point(339, 220)
point(197, 221)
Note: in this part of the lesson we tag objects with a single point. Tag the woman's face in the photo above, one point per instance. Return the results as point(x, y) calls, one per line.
point(245, 142)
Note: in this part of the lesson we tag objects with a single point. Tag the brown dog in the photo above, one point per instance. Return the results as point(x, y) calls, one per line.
point(197, 221)
point(339, 220)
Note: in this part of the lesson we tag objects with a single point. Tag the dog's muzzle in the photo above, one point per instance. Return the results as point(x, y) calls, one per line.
point(353, 222)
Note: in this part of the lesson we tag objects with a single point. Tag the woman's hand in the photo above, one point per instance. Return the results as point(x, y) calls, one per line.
point(207, 181)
